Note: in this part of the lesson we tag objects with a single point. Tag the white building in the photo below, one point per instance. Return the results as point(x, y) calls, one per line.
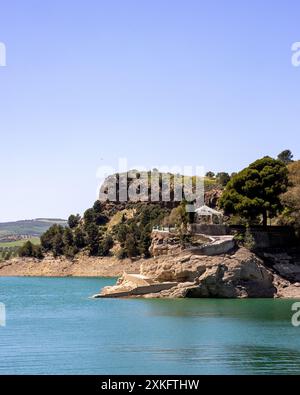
point(207, 215)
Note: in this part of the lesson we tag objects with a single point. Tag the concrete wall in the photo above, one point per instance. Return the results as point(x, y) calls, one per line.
point(213, 230)
point(270, 236)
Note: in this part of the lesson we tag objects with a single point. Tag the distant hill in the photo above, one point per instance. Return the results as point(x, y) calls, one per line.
point(32, 227)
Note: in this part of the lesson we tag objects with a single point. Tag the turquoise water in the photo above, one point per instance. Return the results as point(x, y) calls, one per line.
point(54, 328)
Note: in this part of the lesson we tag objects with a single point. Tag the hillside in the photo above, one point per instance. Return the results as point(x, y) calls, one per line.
point(33, 227)
point(120, 224)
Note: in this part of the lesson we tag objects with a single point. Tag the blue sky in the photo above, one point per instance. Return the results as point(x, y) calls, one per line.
point(159, 82)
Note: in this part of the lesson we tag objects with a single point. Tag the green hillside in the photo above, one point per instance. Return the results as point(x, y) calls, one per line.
point(12, 234)
point(33, 227)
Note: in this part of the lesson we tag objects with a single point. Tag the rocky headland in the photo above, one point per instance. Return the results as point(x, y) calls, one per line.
point(202, 267)
point(238, 274)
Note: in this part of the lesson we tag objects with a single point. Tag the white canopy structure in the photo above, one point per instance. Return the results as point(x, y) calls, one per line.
point(207, 215)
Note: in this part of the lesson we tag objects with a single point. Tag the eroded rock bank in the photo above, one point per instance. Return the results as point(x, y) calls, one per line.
point(240, 274)
point(83, 266)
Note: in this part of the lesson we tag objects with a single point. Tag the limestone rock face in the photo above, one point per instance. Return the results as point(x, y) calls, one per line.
point(163, 243)
point(212, 196)
point(239, 275)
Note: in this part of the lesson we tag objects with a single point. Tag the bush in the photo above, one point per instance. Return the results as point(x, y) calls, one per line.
point(105, 245)
point(30, 250)
point(68, 239)
point(51, 236)
point(245, 239)
point(249, 241)
point(73, 221)
point(79, 238)
point(26, 249)
point(131, 246)
point(93, 239)
point(223, 178)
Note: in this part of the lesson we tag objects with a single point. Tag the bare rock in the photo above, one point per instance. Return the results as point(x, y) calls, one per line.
point(240, 275)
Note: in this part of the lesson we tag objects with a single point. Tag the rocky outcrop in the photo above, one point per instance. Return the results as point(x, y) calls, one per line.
point(212, 196)
point(134, 285)
point(239, 275)
point(164, 243)
point(285, 264)
point(288, 290)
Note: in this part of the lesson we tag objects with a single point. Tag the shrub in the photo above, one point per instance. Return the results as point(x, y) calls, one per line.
point(249, 241)
point(30, 250)
point(73, 221)
point(105, 245)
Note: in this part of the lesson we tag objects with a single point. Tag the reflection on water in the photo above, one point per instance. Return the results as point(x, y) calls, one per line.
point(245, 309)
point(53, 327)
point(260, 359)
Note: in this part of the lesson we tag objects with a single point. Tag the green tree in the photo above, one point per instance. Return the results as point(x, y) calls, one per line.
point(178, 217)
point(286, 156)
point(58, 245)
point(291, 198)
point(73, 221)
point(122, 231)
point(47, 238)
point(223, 178)
point(30, 250)
point(79, 240)
point(26, 250)
point(93, 239)
point(38, 252)
point(210, 174)
point(145, 216)
point(89, 217)
point(145, 241)
point(100, 218)
point(130, 246)
point(105, 245)
point(68, 237)
point(97, 206)
point(249, 241)
point(256, 190)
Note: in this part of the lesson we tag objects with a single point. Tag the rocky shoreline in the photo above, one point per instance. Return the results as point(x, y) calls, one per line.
point(240, 274)
point(82, 266)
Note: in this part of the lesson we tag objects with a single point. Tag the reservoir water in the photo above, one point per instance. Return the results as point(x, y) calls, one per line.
point(52, 327)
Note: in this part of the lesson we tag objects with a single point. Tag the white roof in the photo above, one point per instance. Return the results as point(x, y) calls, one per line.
point(205, 210)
